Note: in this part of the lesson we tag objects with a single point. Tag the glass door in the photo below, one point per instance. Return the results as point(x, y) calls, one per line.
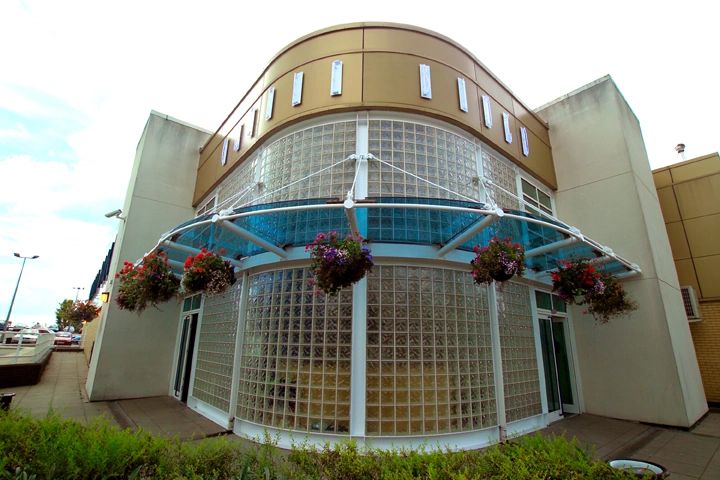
point(557, 362)
point(186, 352)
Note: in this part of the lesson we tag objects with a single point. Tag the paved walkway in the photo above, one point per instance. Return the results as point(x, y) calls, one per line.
point(688, 455)
point(62, 389)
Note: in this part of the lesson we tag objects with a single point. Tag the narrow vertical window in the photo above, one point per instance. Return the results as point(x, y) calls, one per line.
point(506, 127)
point(223, 156)
point(253, 123)
point(525, 143)
point(238, 140)
point(425, 84)
point(462, 94)
point(487, 111)
point(336, 73)
point(297, 89)
point(270, 102)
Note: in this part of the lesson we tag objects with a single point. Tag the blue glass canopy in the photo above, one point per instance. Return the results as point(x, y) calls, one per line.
point(273, 227)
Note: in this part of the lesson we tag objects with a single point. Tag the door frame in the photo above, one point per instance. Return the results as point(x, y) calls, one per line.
point(571, 352)
point(176, 353)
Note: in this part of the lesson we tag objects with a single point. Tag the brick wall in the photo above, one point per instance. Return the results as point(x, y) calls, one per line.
point(706, 337)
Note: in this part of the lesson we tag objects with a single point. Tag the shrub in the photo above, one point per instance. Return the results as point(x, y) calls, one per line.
point(63, 449)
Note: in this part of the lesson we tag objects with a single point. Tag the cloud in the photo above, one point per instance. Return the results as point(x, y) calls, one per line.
point(18, 132)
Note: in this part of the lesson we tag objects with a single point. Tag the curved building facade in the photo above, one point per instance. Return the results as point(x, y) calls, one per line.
point(401, 136)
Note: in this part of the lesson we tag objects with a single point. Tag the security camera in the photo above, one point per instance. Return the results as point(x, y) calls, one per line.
point(114, 213)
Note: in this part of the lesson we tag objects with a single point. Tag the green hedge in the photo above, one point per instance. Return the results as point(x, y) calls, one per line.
point(53, 448)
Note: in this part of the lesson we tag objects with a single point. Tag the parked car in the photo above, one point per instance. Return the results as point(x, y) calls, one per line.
point(29, 335)
point(63, 338)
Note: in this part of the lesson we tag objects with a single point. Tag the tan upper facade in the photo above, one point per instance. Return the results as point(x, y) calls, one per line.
point(381, 70)
point(689, 194)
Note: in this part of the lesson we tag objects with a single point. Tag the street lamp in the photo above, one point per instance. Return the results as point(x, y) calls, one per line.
point(77, 291)
point(7, 319)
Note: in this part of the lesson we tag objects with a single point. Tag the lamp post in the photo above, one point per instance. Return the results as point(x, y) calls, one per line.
point(77, 291)
point(12, 302)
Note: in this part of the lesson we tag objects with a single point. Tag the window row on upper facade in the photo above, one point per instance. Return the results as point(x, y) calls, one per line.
point(410, 156)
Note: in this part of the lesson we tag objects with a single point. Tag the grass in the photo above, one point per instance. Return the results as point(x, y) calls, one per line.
point(53, 448)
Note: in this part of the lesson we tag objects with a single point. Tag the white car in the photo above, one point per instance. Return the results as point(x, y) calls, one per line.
point(29, 335)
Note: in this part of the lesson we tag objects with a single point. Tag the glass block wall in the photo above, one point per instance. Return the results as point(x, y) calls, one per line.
point(519, 357)
point(307, 151)
point(215, 356)
point(240, 187)
point(438, 156)
point(295, 365)
point(503, 177)
point(429, 358)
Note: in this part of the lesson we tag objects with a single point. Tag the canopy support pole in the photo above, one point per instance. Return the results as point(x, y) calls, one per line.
point(193, 251)
point(251, 237)
point(470, 232)
point(550, 247)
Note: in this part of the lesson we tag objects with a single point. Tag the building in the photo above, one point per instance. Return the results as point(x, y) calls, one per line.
point(402, 135)
point(689, 194)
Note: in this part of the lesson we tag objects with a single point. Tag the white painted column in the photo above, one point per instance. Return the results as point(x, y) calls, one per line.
point(361, 150)
point(497, 360)
point(239, 335)
point(358, 380)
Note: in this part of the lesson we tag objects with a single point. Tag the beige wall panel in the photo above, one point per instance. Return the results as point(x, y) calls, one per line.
point(329, 44)
point(686, 274)
point(316, 90)
point(668, 205)
point(662, 178)
point(691, 170)
point(399, 86)
point(496, 134)
point(703, 235)
point(420, 44)
point(708, 272)
point(493, 88)
point(211, 172)
point(699, 197)
point(213, 146)
point(678, 241)
point(531, 122)
point(540, 159)
point(375, 80)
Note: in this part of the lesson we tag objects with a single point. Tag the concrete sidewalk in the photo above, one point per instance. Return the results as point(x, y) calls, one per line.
point(62, 389)
point(691, 454)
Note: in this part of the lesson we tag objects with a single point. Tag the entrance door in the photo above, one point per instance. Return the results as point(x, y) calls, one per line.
point(185, 357)
point(558, 372)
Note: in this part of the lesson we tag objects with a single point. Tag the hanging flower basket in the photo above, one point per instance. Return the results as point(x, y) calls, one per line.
point(151, 282)
point(577, 282)
point(207, 272)
point(338, 263)
point(499, 260)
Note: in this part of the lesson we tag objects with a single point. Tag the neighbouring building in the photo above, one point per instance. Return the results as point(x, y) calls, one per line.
point(402, 135)
point(689, 194)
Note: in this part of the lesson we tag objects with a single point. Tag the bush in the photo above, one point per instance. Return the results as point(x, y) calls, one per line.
point(52, 448)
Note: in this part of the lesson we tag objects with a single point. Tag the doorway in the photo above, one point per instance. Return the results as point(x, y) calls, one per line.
point(559, 378)
point(181, 387)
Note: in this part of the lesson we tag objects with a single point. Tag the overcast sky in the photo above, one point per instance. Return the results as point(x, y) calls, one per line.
point(79, 78)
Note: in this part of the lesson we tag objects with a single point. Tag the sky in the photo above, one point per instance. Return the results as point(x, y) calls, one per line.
point(78, 80)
